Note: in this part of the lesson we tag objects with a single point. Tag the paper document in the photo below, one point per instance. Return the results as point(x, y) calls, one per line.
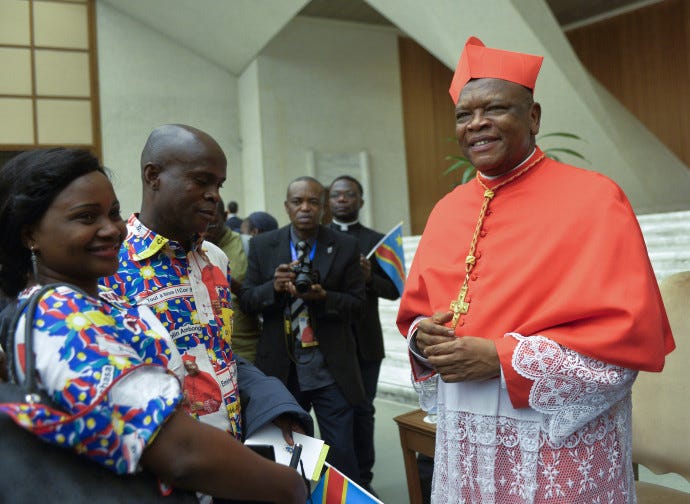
point(314, 450)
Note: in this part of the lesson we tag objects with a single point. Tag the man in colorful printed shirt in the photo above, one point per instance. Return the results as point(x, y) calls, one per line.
point(165, 264)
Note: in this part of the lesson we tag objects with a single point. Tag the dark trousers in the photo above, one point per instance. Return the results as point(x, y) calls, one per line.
point(334, 416)
point(364, 421)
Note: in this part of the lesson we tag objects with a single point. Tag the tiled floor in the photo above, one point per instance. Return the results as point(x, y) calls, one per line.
point(389, 471)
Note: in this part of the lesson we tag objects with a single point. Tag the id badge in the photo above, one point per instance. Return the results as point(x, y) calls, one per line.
point(305, 331)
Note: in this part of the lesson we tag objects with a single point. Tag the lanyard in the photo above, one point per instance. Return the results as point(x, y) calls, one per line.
point(293, 251)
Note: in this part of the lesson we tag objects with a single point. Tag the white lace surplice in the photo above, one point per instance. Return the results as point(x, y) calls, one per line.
point(572, 445)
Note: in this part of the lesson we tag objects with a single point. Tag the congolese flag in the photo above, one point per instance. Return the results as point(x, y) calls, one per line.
point(389, 253)
point(335, 488)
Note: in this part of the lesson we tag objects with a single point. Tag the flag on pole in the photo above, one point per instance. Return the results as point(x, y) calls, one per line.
point(335, 488)
point(391, 257)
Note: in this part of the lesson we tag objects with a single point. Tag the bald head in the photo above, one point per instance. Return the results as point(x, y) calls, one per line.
point(182, 170)
point(180, 143)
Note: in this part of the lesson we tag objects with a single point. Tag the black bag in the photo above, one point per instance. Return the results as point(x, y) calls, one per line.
point(34, 471)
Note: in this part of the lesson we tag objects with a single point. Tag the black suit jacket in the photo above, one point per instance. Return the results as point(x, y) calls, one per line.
point(337, 261)
point(368, 327)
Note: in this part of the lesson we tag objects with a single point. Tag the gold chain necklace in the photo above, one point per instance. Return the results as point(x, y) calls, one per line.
point(459, 306)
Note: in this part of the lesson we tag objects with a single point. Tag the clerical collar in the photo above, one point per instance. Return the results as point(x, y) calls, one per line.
point(344, 226)
point(493, 177)
point(296, 239)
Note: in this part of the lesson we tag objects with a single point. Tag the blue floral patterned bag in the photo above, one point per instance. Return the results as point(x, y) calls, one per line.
point(33, 471)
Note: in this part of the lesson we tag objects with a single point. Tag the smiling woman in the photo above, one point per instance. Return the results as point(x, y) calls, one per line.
point(79, 237)
point(60, 215)
point(110, 368)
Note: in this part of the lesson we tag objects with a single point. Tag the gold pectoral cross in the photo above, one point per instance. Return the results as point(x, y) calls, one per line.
point(459, 306)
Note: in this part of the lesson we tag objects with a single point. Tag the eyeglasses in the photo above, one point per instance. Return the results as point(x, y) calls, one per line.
point(346, 194)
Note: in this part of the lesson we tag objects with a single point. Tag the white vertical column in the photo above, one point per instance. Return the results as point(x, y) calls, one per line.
point(253, 171)
point(366, 215)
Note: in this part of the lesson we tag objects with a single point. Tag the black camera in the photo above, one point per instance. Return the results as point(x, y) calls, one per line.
point(305, 275)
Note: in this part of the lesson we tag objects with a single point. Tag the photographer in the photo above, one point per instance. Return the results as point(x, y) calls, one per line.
point(306, 282)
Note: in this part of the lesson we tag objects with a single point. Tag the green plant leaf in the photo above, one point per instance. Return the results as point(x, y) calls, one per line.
point(561, 134)
point(549, 153)
point(469, 174)
point(460, 163)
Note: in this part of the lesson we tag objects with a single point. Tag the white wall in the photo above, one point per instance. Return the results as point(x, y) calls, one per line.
point(331, 87)
point(147, 80)
point(254, 175)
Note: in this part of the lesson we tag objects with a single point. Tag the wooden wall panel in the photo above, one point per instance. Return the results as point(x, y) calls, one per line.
point(429, 124)
point(643, 58)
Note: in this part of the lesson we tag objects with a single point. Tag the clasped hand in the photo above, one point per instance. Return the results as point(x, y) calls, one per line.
point(456, 359)
point(283, 281)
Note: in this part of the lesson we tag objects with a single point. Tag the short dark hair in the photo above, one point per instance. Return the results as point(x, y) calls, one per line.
point(261, 221)
point(232, 206)
point(29, 183)
point(349, 179)
point(307, 178)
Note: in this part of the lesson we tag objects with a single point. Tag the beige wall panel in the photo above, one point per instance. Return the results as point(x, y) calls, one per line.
point(62, 73)
point(60, 25)
point(64, 122)
point(17, 125)
point(14, 22)
point(16, 75)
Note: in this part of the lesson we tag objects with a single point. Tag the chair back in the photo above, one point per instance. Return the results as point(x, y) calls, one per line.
point(661, 401)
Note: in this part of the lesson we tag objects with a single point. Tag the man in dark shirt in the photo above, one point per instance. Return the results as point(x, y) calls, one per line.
point(346, 199)
point(306, 338)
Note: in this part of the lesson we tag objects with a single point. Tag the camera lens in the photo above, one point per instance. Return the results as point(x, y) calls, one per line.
point(303, 283)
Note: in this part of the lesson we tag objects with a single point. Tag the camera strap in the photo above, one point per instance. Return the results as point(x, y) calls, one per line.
point(297, 316)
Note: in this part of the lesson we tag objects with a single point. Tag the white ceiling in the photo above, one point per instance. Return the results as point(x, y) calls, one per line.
point(228, 32)
point(231, 33)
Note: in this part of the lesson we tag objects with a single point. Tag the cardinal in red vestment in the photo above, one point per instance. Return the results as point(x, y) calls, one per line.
point(202, 395)
point(529, 308)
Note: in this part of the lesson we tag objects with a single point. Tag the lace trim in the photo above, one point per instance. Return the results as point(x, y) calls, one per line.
point(570, 389)
point(511, 432)
point(486, 459)
point(578, 448)
point(427, 390)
